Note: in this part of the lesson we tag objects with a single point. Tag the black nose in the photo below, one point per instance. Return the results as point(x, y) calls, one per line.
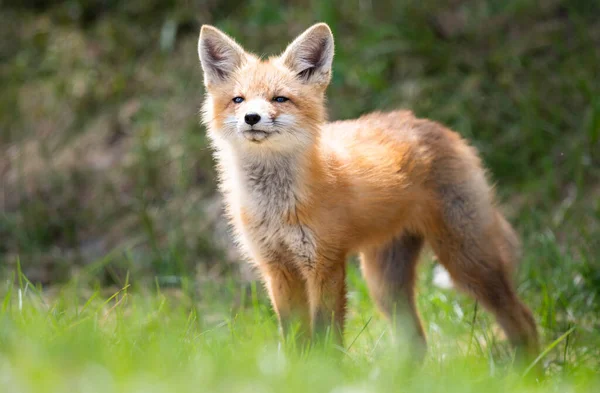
point(252, 118)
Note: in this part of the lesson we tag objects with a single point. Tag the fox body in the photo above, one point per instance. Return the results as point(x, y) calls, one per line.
point(303, 193)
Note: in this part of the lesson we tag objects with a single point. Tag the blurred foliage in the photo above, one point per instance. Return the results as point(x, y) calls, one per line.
point(103, 159)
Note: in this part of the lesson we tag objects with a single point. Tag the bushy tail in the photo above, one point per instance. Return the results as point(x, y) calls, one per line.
point(509, 243)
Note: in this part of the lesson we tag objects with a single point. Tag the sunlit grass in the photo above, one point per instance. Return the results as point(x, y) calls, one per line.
point(162, 340)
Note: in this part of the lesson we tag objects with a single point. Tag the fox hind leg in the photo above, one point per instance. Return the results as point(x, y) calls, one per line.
point(390, 272)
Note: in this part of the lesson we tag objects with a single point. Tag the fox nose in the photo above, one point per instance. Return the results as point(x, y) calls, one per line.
point(252, 118)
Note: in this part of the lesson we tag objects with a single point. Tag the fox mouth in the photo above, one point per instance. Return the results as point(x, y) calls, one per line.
point(256, 136)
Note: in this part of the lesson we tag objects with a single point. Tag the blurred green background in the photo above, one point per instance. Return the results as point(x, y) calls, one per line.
point(104, 164)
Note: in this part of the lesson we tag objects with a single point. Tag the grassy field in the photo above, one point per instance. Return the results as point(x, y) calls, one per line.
point(116, 270)
point(224, 339)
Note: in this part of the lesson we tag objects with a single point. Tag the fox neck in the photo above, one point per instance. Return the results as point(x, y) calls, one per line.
point(278, 175)
point(276, 181)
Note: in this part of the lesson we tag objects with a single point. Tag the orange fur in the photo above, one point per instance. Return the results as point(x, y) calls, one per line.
point(311, 193)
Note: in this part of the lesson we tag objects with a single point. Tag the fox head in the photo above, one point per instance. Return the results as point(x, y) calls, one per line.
point(275, 104)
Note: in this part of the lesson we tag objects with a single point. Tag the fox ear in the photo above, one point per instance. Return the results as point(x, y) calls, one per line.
point(219, 55)
point(310, 55)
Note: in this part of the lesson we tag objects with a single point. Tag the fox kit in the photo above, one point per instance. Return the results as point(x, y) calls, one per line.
point(303, 193)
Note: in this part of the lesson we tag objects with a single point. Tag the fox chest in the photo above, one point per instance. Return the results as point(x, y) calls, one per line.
point(265, 199)
point(271, 236)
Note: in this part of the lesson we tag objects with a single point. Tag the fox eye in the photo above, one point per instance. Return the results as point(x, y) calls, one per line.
point(280, 99)
point(238, 100)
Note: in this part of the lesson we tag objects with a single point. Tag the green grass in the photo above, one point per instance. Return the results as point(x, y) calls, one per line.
point(222, 337)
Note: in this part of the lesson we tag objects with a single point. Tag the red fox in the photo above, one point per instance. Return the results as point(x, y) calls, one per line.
point(303, 194)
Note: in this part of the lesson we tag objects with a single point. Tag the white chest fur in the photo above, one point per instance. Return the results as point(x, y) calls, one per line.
point(267, 191)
